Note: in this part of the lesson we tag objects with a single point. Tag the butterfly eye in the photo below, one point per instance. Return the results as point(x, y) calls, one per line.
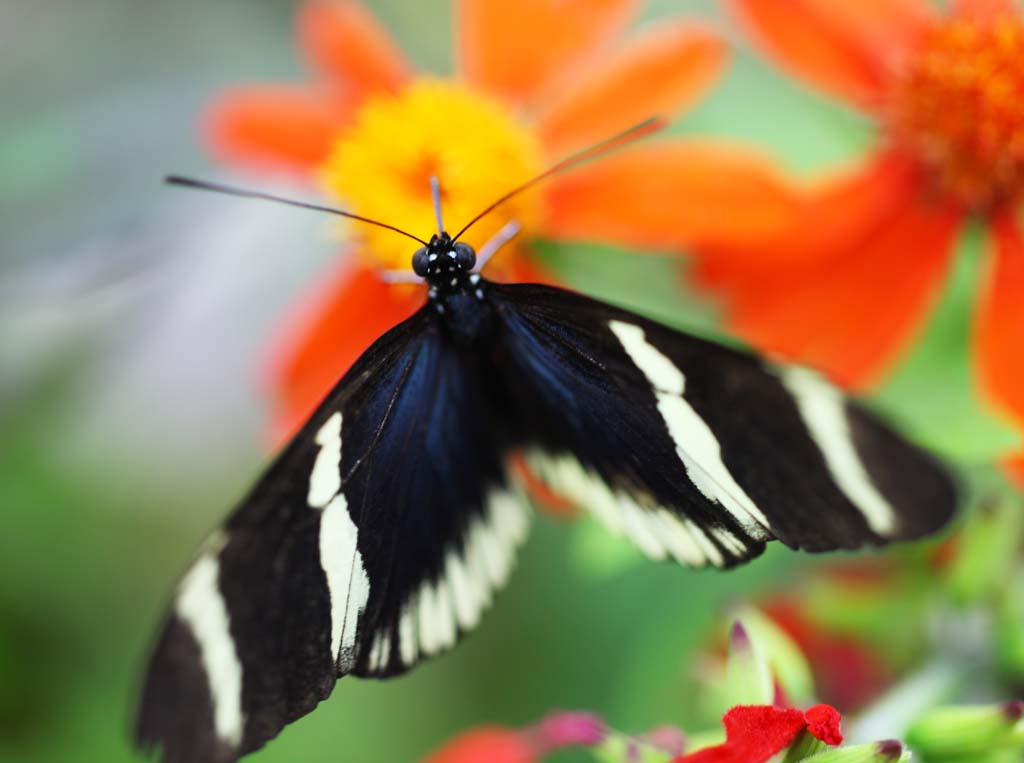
point(420, 262)
point(465, 257)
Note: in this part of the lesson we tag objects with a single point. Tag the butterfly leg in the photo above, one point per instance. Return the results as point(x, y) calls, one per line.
point(508, 232)
point(399, 276)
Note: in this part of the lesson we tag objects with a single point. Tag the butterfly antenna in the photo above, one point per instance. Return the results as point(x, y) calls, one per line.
point(637, 131)
point(218, 188)
point(435, 192)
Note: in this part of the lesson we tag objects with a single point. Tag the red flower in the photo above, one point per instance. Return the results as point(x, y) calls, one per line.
point(755, 733)
point(848, 286)
point(372, 132)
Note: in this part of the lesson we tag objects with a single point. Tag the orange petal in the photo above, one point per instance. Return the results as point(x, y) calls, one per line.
point(1014, 467)
point(325, 335)
point(854, 308)
point(274, 127)
point(669, 194)
point(999, 330)
point(554, 504)
point(513, 48)
point(659, 72)
point(983, 10)
point(345, 43)
point(848, 207)
point(847, 48)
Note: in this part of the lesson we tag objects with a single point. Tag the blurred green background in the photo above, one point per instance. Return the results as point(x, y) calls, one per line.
point(133, 321)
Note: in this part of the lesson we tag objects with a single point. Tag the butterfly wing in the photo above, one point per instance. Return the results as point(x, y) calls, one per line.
point(375, 539)
point(697, 451)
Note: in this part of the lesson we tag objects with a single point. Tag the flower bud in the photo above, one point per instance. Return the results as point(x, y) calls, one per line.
point(968, 730)
point(748, 675)
point(888, 751)
point(787, 663)
point(804, 746)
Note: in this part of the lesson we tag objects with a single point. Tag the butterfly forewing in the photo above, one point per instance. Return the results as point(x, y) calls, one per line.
point(373, 542)
point(700, 452)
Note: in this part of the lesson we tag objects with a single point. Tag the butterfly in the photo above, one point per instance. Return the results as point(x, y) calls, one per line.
point(380, 534)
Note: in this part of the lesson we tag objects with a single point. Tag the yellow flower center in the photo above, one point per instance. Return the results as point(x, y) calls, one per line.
point(381, 167)
point(959, 105)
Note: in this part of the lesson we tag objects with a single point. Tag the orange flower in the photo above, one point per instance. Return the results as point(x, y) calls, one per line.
point(848, 286)
point(536, 79)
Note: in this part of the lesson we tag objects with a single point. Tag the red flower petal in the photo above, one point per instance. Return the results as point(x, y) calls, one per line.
point(983, 10)
point(755, 733)
point(848, 48)
point(823, 723)
point(660, 71)
point(1014, 466)
point(514, 48)
point(670, 193)
point(551, 502)
point(345, 43)
point(274, 127)
point(849, 298)
point(486, 744)
point(999, 329)
point(326, 334)
point(847, 207)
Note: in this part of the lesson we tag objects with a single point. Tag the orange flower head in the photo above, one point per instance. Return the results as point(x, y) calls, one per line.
point(957, 106)
point(851, 292)
point(380, 167)
point(534, 81)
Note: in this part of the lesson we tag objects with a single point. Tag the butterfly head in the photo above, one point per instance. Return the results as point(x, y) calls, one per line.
point(444, 263)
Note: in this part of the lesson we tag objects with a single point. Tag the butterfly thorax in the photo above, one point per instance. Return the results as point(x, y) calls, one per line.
point(455, 291)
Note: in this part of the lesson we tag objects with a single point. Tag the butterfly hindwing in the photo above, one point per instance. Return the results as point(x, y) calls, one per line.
point(373, 542)
point(439, 517)
point(700, 452)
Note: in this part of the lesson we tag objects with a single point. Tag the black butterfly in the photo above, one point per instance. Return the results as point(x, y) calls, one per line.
point(380, 534)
